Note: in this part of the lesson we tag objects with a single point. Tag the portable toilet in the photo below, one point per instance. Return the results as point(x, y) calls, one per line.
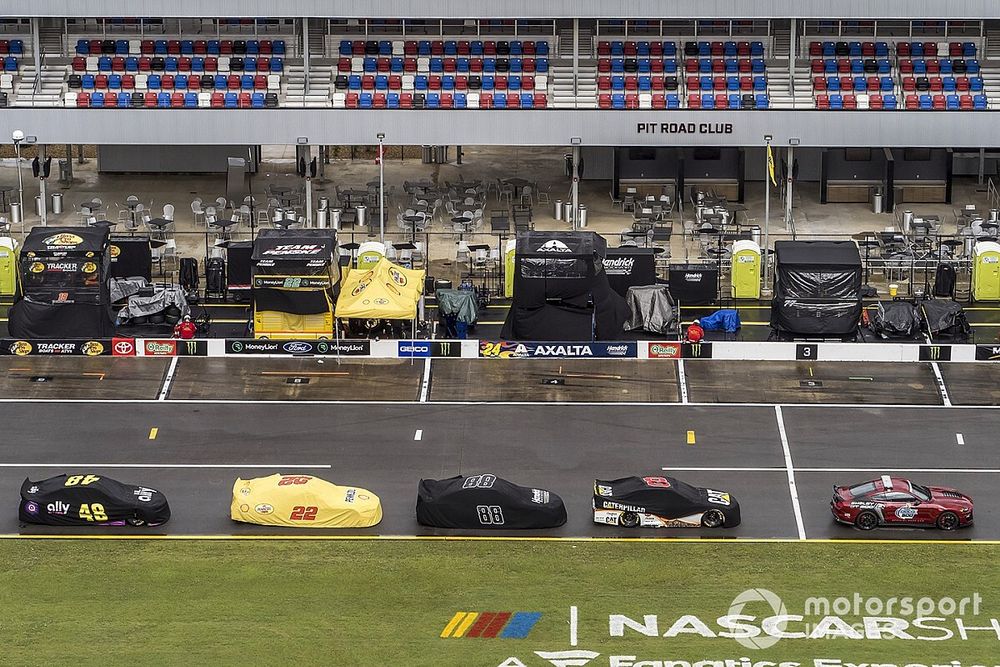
point(745, 274)
point(369, 253)
point(8, 266)
point(508, 268)
point(986, 271)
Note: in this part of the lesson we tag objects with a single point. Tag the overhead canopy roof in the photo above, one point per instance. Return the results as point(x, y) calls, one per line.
point(67, 239)
point(295, 245)
point(817, 253)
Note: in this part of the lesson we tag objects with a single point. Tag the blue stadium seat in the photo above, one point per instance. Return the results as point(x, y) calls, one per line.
point(617, 66)
point(952, 101)
point(382, 82)
point(488, 83)
point(346, 48)
point(191, 100)
point(705, 65)
point(673, 101)
point(979, 102)
point(926, 103)
point(163, 100)
point(707, 101)
point(246, 82)
point(132, 64)
point(857, 66)
point(759, 84)
point(890, 102)
point(948, 83)
point(385, 47)
point(527, 101)
point(115, 82)
point(152, 82)
point(860, 84)
point(734, 101)
point(461, 101)
point(881, 49)
point(121, 47)
point(705, 83)
point(96, 100)
point(160, 47)
point(500, 101)
point(392, 101)
point(732, 66)
point(423, 48)
point(396, 65)
point(104, 64)
point(670, 66)
point(82, 47)
point(180, 82)
point(213, 47)
point(976, 84)
point(365, 101)
point(354, 82)
point(763, 102)
point(884, 66)
point(757, 49)
point(618, 83)
point(370, 65)
point(618, 101)
point(836, 102)
point(733, 83)
point(124, 100)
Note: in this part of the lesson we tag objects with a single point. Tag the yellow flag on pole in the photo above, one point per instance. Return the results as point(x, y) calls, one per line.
point(770, 165)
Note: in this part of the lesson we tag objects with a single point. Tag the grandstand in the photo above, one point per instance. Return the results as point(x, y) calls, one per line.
point(567, 62)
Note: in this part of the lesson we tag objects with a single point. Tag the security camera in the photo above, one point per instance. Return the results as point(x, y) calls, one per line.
point(17, 135)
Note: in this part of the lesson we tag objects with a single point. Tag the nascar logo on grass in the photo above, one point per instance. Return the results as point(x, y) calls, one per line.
point(490, 624)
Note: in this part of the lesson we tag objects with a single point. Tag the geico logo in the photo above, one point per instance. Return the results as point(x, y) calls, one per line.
point(414, 348)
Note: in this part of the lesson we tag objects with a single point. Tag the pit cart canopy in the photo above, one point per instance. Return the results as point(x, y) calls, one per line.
point(486, 501)
point(386, 291)
point(301, 247)
point(75, 240)
point(817, 287)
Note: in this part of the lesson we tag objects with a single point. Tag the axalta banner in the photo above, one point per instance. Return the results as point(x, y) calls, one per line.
point(23, 348)
point(516, 350)
point(356, 348)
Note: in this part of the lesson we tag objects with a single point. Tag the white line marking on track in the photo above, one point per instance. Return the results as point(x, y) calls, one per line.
point(165, 389)
point(419, 435)
point(960, 438)
point(234, 466)
point(682, 379)
point(425, 384)
point(573, 621)
point(791, 474)
point(987, 471)
point(557, 404)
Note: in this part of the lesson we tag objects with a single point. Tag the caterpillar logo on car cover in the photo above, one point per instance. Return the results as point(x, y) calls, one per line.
point(490, 624)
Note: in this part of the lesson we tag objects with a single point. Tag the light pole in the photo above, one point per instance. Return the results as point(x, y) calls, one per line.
point(18, 136)
point(381, 188)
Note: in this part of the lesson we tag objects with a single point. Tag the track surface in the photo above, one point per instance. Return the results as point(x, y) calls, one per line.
point(246, 426)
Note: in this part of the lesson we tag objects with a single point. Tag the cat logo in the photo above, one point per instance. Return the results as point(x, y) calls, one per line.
point(114, 250)
point(92, 348)
point(36, 267)
point(63, 240)
point(21, 348)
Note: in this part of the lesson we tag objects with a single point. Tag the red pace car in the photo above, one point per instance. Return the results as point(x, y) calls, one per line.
point(894, 501)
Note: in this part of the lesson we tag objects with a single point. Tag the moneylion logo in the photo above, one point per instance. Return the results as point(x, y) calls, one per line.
point(554, 246)
point(756, 595)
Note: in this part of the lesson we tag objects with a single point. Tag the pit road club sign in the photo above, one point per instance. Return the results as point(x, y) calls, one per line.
point(684, 128)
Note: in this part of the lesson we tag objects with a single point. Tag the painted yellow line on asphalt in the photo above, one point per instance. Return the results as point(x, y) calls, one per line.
point(690, 438)
point(490, 538)
point(152, 433)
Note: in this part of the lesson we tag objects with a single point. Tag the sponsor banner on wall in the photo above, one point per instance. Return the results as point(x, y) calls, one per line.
point(696, 350)
point(935, 353)
point(510, 349)
point(88, 348)
point(356, 348)
point(988, 353)
point(429, 348)
point(172, 347)
point(661, 350)
point(123, 347)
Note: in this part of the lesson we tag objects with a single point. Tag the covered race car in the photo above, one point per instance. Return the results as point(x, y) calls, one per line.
point(894, 501)
point(662, 502)
point(303, 501)
point(87, 500)
point(486, 501)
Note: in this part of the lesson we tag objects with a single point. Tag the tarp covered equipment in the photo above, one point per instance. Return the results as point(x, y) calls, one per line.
point(817, 288)
point(486, 502)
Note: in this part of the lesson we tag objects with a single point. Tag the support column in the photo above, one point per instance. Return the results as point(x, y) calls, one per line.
point(36, 49)
point(576, 185)
point(792, 51)
point(69, 161)
point(576, 58)
point(788, 188)
point(305, 54)
point(79, 154)
point(44, 213)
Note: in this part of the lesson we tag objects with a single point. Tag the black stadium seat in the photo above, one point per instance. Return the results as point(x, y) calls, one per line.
point(419, 100)
point(271, 100)
point(157, 64)
point(475, 82)
point(240, 47)
point(75, 82)
point(236, 64)
point(341, 82)
point(207, 81)
point(138, 100)
point(371, 48)
point(108, 47)
point(631, 65)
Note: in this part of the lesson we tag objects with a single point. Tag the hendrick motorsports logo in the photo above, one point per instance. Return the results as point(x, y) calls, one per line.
point(619, 266)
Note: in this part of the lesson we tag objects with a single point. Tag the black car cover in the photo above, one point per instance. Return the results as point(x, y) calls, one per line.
point(897, 319)
point(945, 318)
point(87, 500)
point(666, 497)
point(486, 501)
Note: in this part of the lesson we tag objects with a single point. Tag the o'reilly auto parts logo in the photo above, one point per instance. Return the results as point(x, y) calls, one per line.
point(554, 246)
point(664, 350)
point(619, 266)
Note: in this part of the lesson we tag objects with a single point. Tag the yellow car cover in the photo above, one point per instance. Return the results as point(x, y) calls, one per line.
point(305, 501)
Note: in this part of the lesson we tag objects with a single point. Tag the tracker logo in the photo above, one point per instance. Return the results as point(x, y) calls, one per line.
point(554, 246)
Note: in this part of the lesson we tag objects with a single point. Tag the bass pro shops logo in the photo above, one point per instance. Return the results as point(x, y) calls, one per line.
point(21, 348)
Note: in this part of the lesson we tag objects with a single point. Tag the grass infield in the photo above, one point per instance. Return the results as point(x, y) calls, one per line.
point(387, 603)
